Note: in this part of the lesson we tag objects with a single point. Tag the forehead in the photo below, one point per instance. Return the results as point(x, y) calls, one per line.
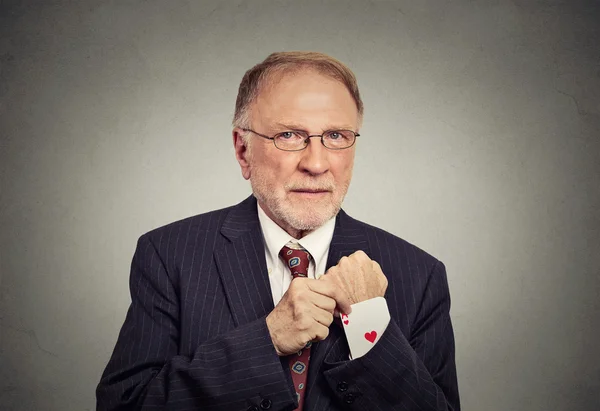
point(307, 98)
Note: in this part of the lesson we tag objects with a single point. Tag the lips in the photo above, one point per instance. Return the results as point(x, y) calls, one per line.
point(310, 191)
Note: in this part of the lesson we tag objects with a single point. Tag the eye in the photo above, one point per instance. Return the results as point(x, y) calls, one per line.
point(289, 136)
point(337, 135)
point(286, 135)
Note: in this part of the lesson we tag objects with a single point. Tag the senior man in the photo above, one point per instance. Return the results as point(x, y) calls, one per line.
point(283, 301)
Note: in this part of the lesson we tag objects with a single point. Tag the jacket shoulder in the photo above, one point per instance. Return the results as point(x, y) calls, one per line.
point(380, 237)
point(211, 220)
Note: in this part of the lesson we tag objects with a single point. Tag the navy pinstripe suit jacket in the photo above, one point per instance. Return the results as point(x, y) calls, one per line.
point(195, 336)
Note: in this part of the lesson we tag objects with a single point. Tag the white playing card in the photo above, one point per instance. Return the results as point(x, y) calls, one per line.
point(365, 325)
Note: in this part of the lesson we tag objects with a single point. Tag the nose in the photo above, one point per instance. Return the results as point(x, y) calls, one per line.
point(315, 157)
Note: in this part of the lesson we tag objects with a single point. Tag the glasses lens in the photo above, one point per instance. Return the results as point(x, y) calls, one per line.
point(290, 140)
point(338, 139)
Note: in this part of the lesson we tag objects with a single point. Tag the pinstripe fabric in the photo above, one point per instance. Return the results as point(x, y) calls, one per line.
point(195, 336)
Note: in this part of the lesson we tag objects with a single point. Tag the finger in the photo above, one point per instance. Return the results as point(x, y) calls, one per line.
point(376, 266)
point(319, 286)
point(321, 316)
point(323, 302)
point(330, 290)
point(331, 270)
point(327, 276)
point(319, 332)
point(344, 304)
point(361, 255)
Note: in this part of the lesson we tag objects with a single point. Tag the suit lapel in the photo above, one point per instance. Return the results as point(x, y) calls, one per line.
point(242, 266)
point(348, 237)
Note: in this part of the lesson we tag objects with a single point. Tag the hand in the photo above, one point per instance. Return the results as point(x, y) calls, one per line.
point(304, 314)
point(359, 277)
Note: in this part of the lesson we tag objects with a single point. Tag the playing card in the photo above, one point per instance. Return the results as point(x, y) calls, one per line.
point(365, 325)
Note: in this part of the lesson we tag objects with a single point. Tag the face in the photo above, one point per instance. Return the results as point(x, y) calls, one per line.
point(299, 190)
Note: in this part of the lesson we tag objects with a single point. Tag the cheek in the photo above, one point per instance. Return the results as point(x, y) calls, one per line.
point(342, 167)
point(262, 160)
point(282, 167)
point(273, 167)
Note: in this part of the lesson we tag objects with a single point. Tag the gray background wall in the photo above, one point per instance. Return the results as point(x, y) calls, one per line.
point(481, 145)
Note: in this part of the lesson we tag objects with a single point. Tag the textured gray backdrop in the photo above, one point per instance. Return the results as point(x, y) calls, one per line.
point(480, 145)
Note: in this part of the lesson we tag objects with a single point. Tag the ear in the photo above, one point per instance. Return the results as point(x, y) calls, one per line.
point(241, 152)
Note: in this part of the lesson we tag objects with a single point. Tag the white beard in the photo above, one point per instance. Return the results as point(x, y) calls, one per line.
point(298, 213)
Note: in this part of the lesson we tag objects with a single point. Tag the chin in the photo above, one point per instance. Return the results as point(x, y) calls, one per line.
point(306, 218)
point(303, 214)
point(300, 224)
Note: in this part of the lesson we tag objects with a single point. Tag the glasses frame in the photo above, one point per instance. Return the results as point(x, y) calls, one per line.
point(306, 140)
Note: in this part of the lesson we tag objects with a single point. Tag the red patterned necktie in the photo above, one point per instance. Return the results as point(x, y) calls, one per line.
point(297, 260)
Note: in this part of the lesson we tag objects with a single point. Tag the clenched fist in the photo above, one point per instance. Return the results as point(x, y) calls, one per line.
point(304, 314)
point(358, 277)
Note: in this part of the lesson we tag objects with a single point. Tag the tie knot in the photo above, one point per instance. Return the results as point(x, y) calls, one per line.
point(296, 259)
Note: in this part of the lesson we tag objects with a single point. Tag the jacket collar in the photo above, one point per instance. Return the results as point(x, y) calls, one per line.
point(242, 265)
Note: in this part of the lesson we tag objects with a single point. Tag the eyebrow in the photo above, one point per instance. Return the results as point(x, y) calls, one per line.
point(297, 127)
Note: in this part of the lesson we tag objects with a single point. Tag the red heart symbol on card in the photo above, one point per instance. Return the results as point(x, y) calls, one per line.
point(371, 336)
point(346, 322)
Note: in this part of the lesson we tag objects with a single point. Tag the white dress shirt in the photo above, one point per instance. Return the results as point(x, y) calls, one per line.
point(274, 237)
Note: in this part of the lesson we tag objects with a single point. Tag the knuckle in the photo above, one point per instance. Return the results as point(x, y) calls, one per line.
point(361, 255)
point(297, 284)
point(324, 333)
point(298, 293)
point(292, 289)
point(331, 275)
point(303, 323)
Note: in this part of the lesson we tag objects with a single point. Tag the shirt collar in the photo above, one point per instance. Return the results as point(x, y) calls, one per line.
point(275, 237)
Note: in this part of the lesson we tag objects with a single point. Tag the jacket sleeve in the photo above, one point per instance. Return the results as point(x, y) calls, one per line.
point(236, 370)
point(400, 373)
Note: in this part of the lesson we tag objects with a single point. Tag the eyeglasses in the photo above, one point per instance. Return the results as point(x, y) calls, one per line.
point(298, 140)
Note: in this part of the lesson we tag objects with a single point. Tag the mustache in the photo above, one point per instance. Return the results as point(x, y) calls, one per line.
point(311, 186)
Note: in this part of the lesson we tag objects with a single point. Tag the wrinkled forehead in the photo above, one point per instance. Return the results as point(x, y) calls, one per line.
point(306, 99)
point(278, 76)
point(306, 93)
